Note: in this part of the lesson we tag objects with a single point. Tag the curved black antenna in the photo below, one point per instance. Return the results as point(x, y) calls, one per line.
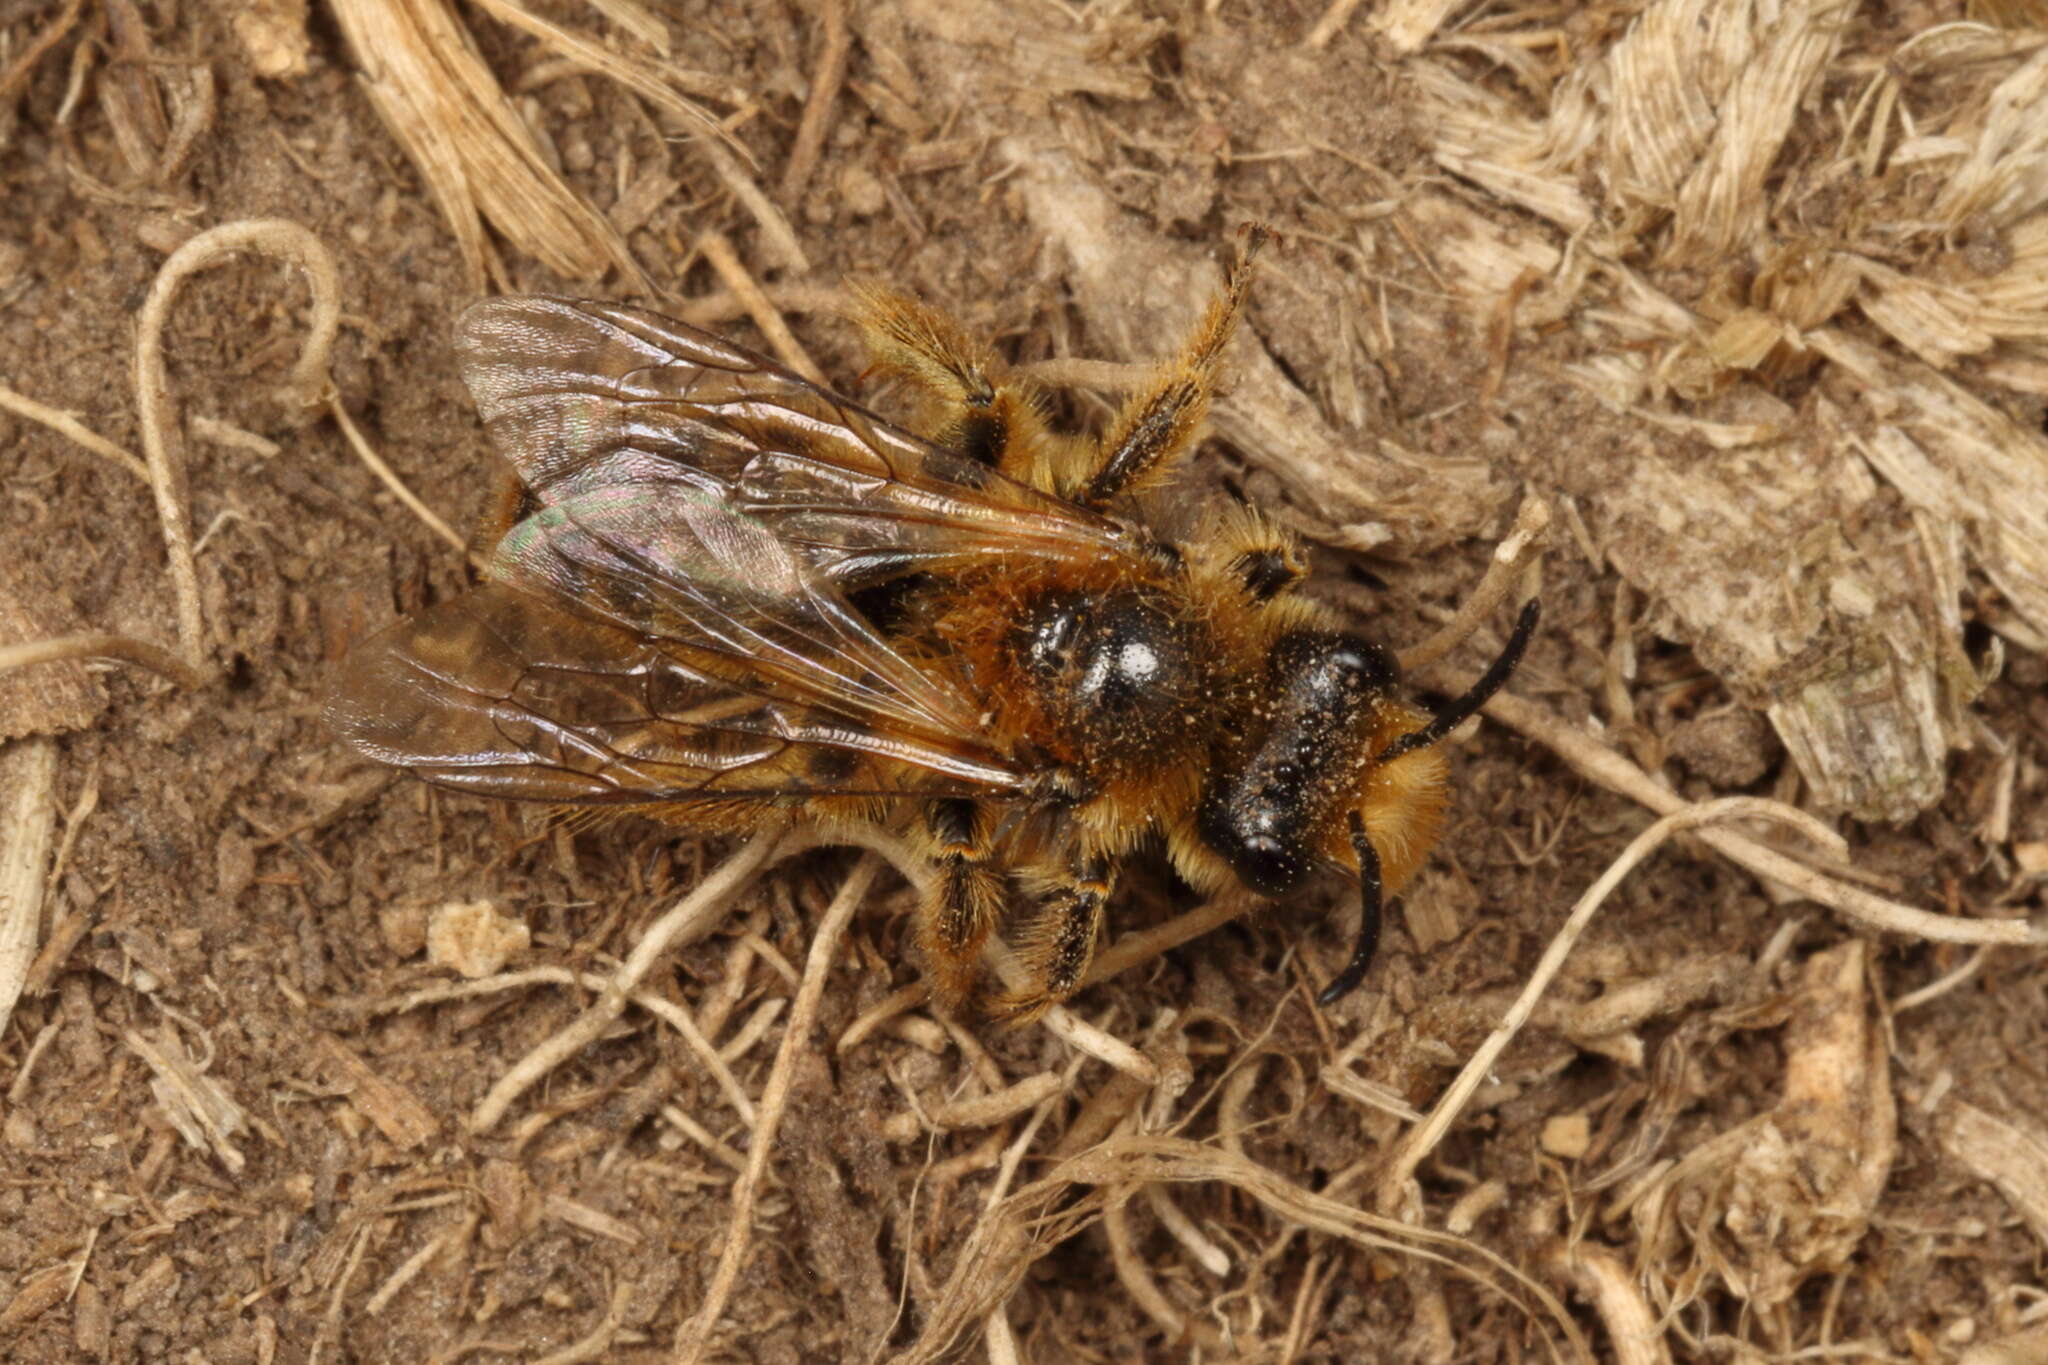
point(1371, 893)
point(1461, 710)
point(1369, 917)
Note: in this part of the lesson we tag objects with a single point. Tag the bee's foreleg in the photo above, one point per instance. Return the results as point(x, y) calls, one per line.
point(1160, 421)
point(965, 902)
point(1060, 944)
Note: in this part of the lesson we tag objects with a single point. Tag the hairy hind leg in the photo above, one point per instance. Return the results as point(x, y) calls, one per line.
point(1060, 943)
point(954, 924)
point(997, 423)
point(1160, 421)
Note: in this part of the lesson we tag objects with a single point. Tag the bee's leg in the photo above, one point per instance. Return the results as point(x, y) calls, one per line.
point(1265, 562)
point(1161, 420)
point(915, 342)
point(1060, 944)
point(966, 902)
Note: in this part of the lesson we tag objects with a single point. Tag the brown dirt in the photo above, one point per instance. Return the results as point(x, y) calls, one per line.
point(250, 889)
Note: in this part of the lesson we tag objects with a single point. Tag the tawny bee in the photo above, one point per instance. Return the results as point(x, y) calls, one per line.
point(736, 597)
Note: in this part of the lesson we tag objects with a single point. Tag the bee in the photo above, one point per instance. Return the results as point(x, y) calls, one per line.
point(736, 597)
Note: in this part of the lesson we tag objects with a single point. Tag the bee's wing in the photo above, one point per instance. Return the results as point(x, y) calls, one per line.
point(671, 559)
point(503, 693)
point(582, 396)
point(672, 623)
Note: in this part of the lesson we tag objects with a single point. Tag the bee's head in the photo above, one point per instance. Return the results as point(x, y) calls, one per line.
point(1266, 806)
point(1339, 761)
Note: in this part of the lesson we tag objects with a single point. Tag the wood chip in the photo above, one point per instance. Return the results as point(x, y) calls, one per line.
point(1568, 1136)
point(2011, 1155)
point(204, 1114)
point(394, 1109)
point(473, 939)
point(28, 815)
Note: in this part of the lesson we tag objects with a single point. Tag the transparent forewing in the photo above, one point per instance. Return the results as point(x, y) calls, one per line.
point(499, 692)
point(672, 560)
point(584, 396)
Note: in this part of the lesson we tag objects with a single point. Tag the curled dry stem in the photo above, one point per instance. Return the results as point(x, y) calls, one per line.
point(162, 446)
point(1423, 1139)
point(694, 1337)
point(98, 645)
point(1144, 1290)
point(981, 1111)
point(1596, 761)
point(688, 920)
point(1523, 541)
point(1026, 1225)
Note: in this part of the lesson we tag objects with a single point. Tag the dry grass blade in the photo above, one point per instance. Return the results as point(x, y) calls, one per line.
point(726, 261)
point(817, 119)
point(65, 424)
point(635, 75)
point(389, 478)
point(440, 100)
